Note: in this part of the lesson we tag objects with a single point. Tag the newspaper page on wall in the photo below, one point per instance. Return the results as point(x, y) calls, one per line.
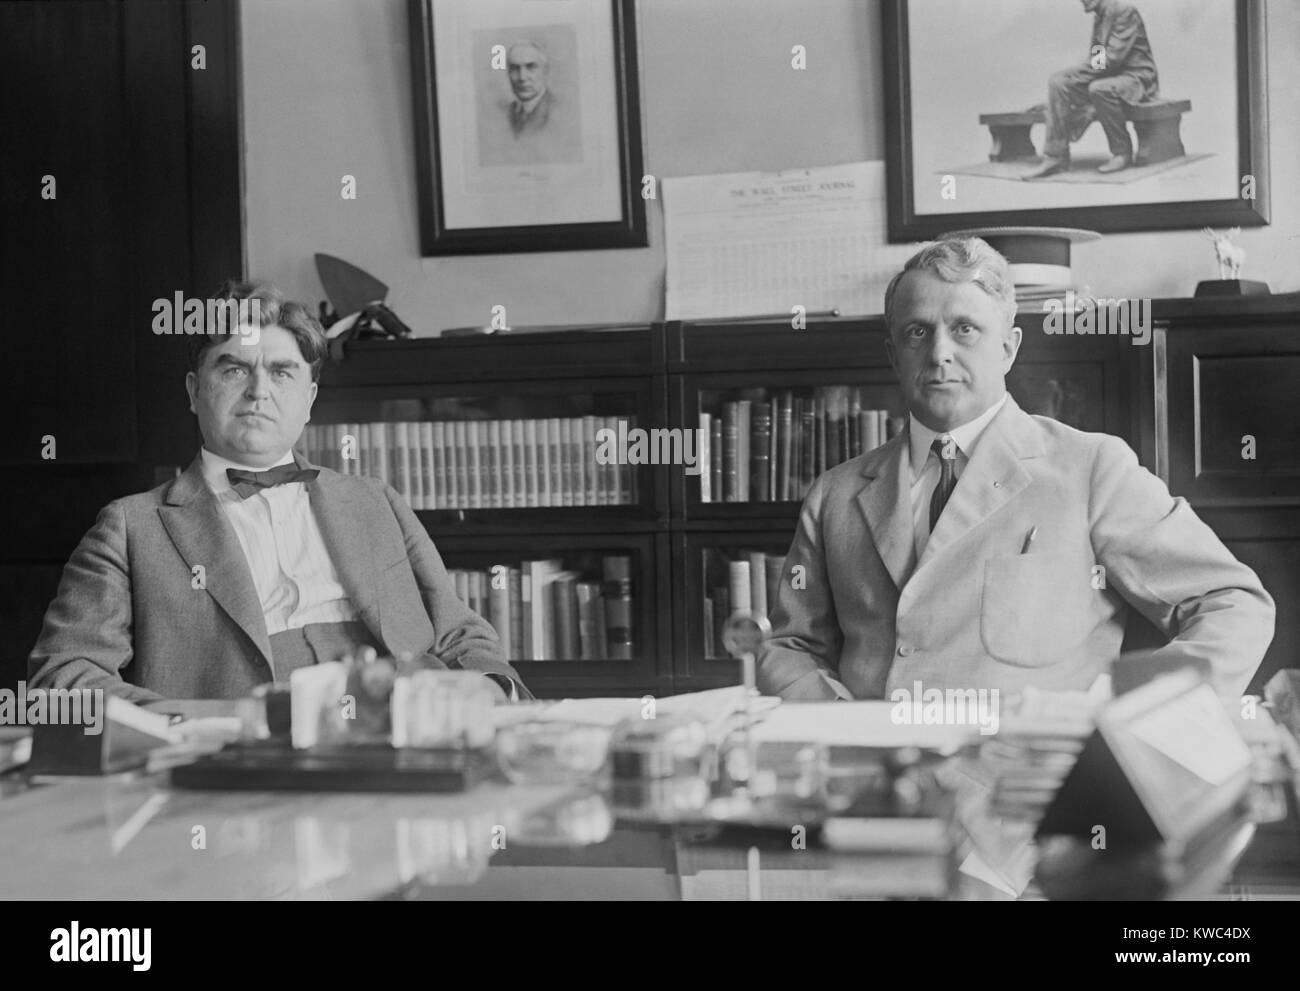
point(761, 243)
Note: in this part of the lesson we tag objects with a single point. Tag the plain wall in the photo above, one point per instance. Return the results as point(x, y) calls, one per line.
point(327, 93)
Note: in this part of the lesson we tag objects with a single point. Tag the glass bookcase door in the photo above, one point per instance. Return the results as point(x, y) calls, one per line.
point(510, 454)
point(765, 440)
point(576, 613)
point(725, 573)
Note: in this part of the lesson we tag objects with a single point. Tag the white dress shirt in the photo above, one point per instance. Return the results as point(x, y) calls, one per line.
point(926, 468)
point(295, 579)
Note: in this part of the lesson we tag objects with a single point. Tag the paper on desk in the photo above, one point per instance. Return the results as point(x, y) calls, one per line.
point(856, 724)
point(716, 708)
point(751, 243)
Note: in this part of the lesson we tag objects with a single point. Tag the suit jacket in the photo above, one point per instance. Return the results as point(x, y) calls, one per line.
point(1118, 28)
point(127, 617)
point(975, 612)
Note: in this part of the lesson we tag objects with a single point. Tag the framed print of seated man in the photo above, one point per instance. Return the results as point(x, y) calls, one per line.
point(252, 562)
point(963, 553)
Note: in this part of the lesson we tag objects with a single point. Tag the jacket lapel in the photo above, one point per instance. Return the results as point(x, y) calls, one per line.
point(993, 476)
point(886, 503)
point(204, 537)
point(344, 519)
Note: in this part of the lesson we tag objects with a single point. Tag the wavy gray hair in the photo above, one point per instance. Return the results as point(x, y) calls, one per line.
point(961, 259)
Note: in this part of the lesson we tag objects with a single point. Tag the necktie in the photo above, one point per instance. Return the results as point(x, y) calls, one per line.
point(246, 483)
point(947, 477)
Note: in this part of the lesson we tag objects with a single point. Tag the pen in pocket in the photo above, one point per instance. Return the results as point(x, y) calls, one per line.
point(1029, 539)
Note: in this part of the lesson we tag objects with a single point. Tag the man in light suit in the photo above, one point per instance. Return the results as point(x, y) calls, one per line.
point(253, 562)
point(983, 547)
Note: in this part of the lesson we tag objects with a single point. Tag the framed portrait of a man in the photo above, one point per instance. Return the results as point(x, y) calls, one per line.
point(1110, 115)
point(527, 122)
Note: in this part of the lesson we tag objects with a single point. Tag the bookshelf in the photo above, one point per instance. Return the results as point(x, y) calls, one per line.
point(683, 552)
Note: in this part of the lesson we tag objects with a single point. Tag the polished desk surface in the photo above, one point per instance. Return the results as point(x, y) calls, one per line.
point(135, 837)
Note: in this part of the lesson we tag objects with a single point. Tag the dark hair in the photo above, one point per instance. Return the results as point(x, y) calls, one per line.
point(269, 309)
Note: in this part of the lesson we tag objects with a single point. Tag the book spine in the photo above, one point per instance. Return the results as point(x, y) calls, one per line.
point(819, 440)
point(415, 469)
point(759, 444)
point(499, 602)
point(786, 446)
point(705, 456)
point(772, 444)
point(521, 465)
point(402, 459)
point(422, 460)
point(591, 471)
point(364, 467)
point(627, 473)
point(567, 647)
point(743, 410)
point(515, 649)
point(532, 472)
point(507, 431)
point(441, 497)
point(757, 584)
point(715, 458)
point(479, 463)
point(619, 630)
point(731, 451)
point(559, 470)
point(591, 622)
point(611, 471)
point(528, 651)
point(379, 436)
point(578, 462)
point(495, 495)
point(544, 494)
point(395, 464)
point(738, 586)
point(455, 470)
point(568, 462)
point(808, 448)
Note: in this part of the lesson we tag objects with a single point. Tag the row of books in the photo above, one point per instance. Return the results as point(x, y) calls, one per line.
point(545, 612)
point(737, 581)
point(773, 448)
point(479, 464)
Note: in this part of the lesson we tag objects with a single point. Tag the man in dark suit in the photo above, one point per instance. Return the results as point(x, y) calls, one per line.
point(984, 548)
point(1119, 69)
point(253, 562)
point(532, 126)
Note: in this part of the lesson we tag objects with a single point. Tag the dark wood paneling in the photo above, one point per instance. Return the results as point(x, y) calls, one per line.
point(1224, 382)
point(146, 153)
point(67, 276)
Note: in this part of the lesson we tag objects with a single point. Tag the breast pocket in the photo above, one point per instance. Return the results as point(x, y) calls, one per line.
point(1035, 608)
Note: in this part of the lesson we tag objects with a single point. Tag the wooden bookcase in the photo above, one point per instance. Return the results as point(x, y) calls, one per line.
point(662, 374)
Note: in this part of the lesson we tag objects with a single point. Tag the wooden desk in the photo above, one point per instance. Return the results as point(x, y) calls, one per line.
point(122, 838)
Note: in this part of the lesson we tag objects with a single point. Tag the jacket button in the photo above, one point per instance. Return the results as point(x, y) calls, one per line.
point(904, 650)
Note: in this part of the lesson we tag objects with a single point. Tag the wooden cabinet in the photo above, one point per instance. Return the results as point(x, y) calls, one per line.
point(1224, 377)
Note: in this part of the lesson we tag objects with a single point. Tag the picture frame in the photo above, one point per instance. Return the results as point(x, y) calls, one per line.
point(527, 125)
point(961, 126)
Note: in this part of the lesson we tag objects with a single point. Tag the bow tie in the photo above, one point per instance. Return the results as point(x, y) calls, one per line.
point(246, 483)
